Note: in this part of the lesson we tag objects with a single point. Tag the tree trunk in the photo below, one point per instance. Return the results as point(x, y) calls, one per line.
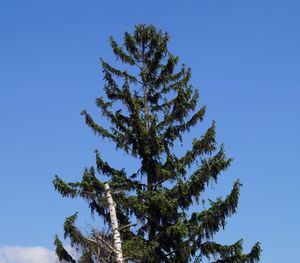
point(114, 224)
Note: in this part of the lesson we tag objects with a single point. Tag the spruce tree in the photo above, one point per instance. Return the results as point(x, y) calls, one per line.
point(150, 110)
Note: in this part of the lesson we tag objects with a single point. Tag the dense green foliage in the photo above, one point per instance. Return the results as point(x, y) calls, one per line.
point(150, 111)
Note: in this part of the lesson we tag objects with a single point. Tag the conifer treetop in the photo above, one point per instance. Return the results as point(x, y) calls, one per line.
point(150, 104)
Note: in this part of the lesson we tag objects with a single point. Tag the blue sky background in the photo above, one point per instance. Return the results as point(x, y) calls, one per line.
point(244, 57)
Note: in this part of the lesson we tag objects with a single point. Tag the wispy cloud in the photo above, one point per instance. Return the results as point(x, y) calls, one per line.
point(17, 254)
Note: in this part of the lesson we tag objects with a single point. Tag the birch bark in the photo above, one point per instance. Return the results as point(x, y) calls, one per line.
point(114, 224)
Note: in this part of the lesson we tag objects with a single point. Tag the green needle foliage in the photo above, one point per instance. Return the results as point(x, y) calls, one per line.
point(149, 111)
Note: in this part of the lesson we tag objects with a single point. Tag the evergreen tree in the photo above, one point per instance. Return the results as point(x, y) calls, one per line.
point(149, 111)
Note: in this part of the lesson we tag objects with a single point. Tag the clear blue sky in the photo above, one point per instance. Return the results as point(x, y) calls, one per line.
point(245, 59)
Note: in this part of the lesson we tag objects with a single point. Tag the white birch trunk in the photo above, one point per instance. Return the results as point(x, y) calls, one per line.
point(114, 224)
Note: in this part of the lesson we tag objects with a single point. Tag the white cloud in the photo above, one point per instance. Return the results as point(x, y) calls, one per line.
point(17, 254)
